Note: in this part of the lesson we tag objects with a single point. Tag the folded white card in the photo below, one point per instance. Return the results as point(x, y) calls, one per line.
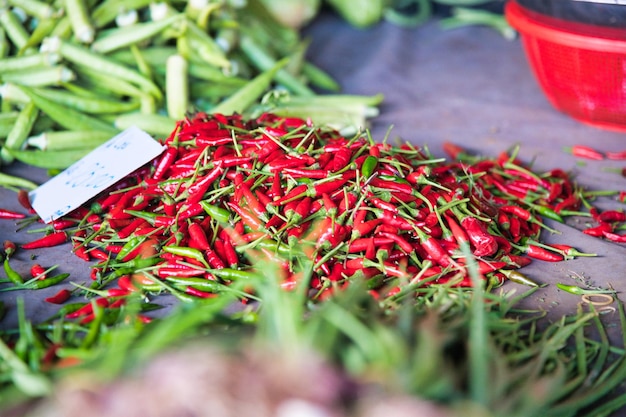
point(98, 170)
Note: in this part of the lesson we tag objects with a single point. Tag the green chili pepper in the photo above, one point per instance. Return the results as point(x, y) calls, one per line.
point(574, 289)
point(519, 278)
point(233, 274)
point(198, 283)
point(369, 165)
point(220, 214)
point(48, 282)
point(548, 213)
point(187, 252)
point(130, 246)
point(12, 275)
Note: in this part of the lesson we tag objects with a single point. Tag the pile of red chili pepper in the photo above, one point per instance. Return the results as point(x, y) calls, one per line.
point(337, 208)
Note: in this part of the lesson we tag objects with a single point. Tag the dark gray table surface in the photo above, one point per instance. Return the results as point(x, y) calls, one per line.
point(469, 86)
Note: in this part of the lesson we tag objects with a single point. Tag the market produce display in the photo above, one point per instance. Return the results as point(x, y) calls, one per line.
point(232, 203)
point(75, 74)
point(359, 209)
point(284, 233)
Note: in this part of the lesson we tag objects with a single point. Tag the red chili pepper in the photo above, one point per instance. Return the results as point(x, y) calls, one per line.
point(614, 237)
point(305, 173)
point(196, 192)
point(60, 297)
point(276, 188)
point(434, 249)
point(363, 243)
point(454, 151)
point(190, 210)
point(402, 243)
point(231, 161)
point(98, 254)
point(213, 259)
point(253, 202)
point(381, 204)
point(295, 193)
point(38, 271)
point(457, 231)
point(9, 247)
point(53, 239)
point(249, 218)
point(611, 216)
point(167, 159)
point(403, 187)
point(9, 214)
point(24, 200)
point(599, 230)
point(572, 201)
point(518, 211)
point(537, 252)
point(87, 309)
point(615, 155)
point(587, 152)
point(484, 244)
point(197, 237)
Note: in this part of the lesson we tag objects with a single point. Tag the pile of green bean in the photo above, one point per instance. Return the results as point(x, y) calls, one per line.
point(73, 73)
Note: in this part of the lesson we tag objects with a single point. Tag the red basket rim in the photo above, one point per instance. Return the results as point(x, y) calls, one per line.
point(562, 32)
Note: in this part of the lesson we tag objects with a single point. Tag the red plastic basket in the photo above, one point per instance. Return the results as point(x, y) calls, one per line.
point(581, 68)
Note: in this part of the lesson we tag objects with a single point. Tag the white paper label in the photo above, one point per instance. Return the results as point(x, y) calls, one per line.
point(98, 170)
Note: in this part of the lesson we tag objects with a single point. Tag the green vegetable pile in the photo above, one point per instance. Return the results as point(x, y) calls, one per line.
point(74, 73)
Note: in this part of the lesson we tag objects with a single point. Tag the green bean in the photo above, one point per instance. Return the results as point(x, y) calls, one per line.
point(4, 43)
point(140, 61)
point(11, 93)
point(211, 92)
point(84, 57)
point(319, 77)
point(155, 124)
point(204, 46)
point(248, 94)
point(63, 28)
point(13, 182)
point(155, 55)
point(7, 120)
point(106, 11)
point(43, 29)
point(78, 14)
point(209, 73)
point(264, 61)
point(20, 131)
point(14, 28)
point(68, 139)
point(40, 77)
point(106, 85)
point(130, 35)
point(91, 105)
point(29, 61)
point(67, 117)
point(35, 8)
point(177, 87)
point(49, 159)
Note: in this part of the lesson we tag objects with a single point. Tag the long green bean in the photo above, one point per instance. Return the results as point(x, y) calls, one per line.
point(20, 131)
